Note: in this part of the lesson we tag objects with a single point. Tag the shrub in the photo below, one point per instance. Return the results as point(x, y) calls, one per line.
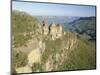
point(37, 67)
point(19, 59)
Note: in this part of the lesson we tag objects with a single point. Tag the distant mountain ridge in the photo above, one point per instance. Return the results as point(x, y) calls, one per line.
point(57, 19)
point(84, 25)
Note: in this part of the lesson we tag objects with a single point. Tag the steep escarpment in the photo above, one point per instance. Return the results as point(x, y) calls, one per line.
point(39, 46)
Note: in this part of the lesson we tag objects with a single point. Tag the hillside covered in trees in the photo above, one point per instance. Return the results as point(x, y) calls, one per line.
point(85, 26)
point(43, 47)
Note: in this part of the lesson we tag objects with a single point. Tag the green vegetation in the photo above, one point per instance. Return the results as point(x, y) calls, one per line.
point(37, 67)
point(21, 40)
point(23, 22)
point(22, 25)
point(19, 59)
point(83, 57)
point(52, 47)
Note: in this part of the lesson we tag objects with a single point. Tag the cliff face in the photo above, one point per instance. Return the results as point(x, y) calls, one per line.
point(53, 30)
point(56, 31)
point(45, 28)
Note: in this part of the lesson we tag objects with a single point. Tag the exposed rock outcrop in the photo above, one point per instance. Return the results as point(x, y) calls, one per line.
point(25, 69)
point(34, 57)
point(54, 30)
point(45, 28)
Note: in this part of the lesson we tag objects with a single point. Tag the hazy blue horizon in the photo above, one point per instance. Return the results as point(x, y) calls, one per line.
point(45, 9)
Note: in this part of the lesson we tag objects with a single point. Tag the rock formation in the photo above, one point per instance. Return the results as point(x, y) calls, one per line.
point(25, 69)
point(54, 30)
point(45, 28)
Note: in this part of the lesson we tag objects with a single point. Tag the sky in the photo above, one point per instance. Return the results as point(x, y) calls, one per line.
point(48, 9)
